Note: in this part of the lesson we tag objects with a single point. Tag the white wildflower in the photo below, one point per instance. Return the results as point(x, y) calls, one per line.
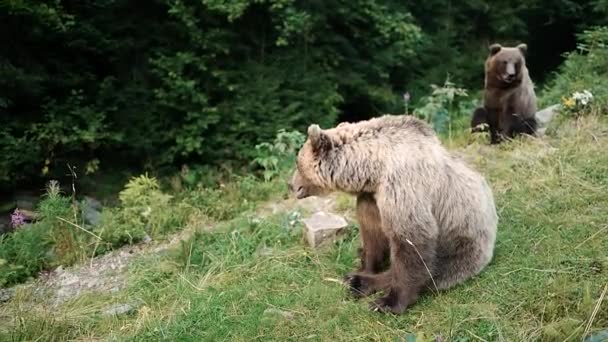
point(583, 97)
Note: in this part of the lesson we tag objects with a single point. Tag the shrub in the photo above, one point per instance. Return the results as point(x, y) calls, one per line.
point(446, 108)
point(273, 157)
point(585, 70)
point(47, 242)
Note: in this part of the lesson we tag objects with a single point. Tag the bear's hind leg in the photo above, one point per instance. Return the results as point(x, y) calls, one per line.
point(460, 260)
point(411, 269)
point(525, 126)
point(375, 247)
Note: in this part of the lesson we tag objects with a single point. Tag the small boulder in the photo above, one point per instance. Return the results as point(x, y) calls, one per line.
point(6, 294)
point(5, 224)
point(544, 117)
point(26, 200)
point(599, 336)
point(29, 215)
point(91, 211)
point(121, 309)
point(93, 203)
point(322, 227)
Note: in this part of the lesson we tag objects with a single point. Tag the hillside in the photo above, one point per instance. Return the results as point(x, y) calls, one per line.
point(251, 277)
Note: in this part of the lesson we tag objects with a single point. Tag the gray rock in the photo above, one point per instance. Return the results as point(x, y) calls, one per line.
point(26, 200)
point(322, 227)
point(91, 211)
point(121, 309)
point(93, 203)
point(544, 117)
point(6, 295)
point(599, 336)
point(276, 312)
point(146, 239)
point(5, 224)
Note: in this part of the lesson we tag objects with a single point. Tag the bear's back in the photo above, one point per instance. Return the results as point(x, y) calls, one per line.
point(390, 129)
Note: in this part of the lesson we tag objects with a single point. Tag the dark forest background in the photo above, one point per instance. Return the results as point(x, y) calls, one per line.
point(116, 84)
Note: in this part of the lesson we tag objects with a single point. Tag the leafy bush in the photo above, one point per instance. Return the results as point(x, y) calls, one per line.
point(23, 253)
point(59, 237)
point(144, 210)
point(445, 108)
point(585, 69)
point(47, 242)
point(273, 157)
point(181, 82)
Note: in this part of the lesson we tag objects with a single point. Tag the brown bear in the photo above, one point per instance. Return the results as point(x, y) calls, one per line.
point(427, 210)
point(509, 100)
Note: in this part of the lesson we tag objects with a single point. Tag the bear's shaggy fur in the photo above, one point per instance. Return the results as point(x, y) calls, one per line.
point(509, 99)
point(417, 204)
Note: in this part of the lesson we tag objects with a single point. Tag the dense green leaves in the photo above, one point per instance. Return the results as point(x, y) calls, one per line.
point(166, 82)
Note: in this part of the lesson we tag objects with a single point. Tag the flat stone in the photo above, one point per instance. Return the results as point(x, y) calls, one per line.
point(322, 227)
point(120, 309)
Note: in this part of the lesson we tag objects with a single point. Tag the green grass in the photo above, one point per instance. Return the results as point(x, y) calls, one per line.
point(550, 267)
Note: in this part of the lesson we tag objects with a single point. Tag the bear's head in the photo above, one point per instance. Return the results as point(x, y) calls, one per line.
point(506, 64)
point(307, 180)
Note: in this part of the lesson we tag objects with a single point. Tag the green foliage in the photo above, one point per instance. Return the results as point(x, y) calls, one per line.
point(254, 276)
point(229, 199)
point(456, 36)
point(144, 210)
point(273, 157)
point(23, 254)
point(585, 69)
point(445, 106)
point(59, 237)
point(177, 82)
point(33, 247)
point(234, 245)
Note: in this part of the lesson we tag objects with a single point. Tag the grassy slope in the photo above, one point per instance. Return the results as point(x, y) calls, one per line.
point(549, 269)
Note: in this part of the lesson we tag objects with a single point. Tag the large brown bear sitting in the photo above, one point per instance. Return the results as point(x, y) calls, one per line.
point(509, 100)
point(432, 214)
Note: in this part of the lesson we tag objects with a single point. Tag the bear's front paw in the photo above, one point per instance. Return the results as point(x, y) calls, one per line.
point(390, 303)
point(360, 285)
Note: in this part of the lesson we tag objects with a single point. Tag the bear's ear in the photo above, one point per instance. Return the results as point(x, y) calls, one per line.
point(523, 48)
point(320, 140)
point(494, 48)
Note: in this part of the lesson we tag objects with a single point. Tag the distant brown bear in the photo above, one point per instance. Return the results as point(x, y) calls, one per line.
point(416, 203)
point(509, 99)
